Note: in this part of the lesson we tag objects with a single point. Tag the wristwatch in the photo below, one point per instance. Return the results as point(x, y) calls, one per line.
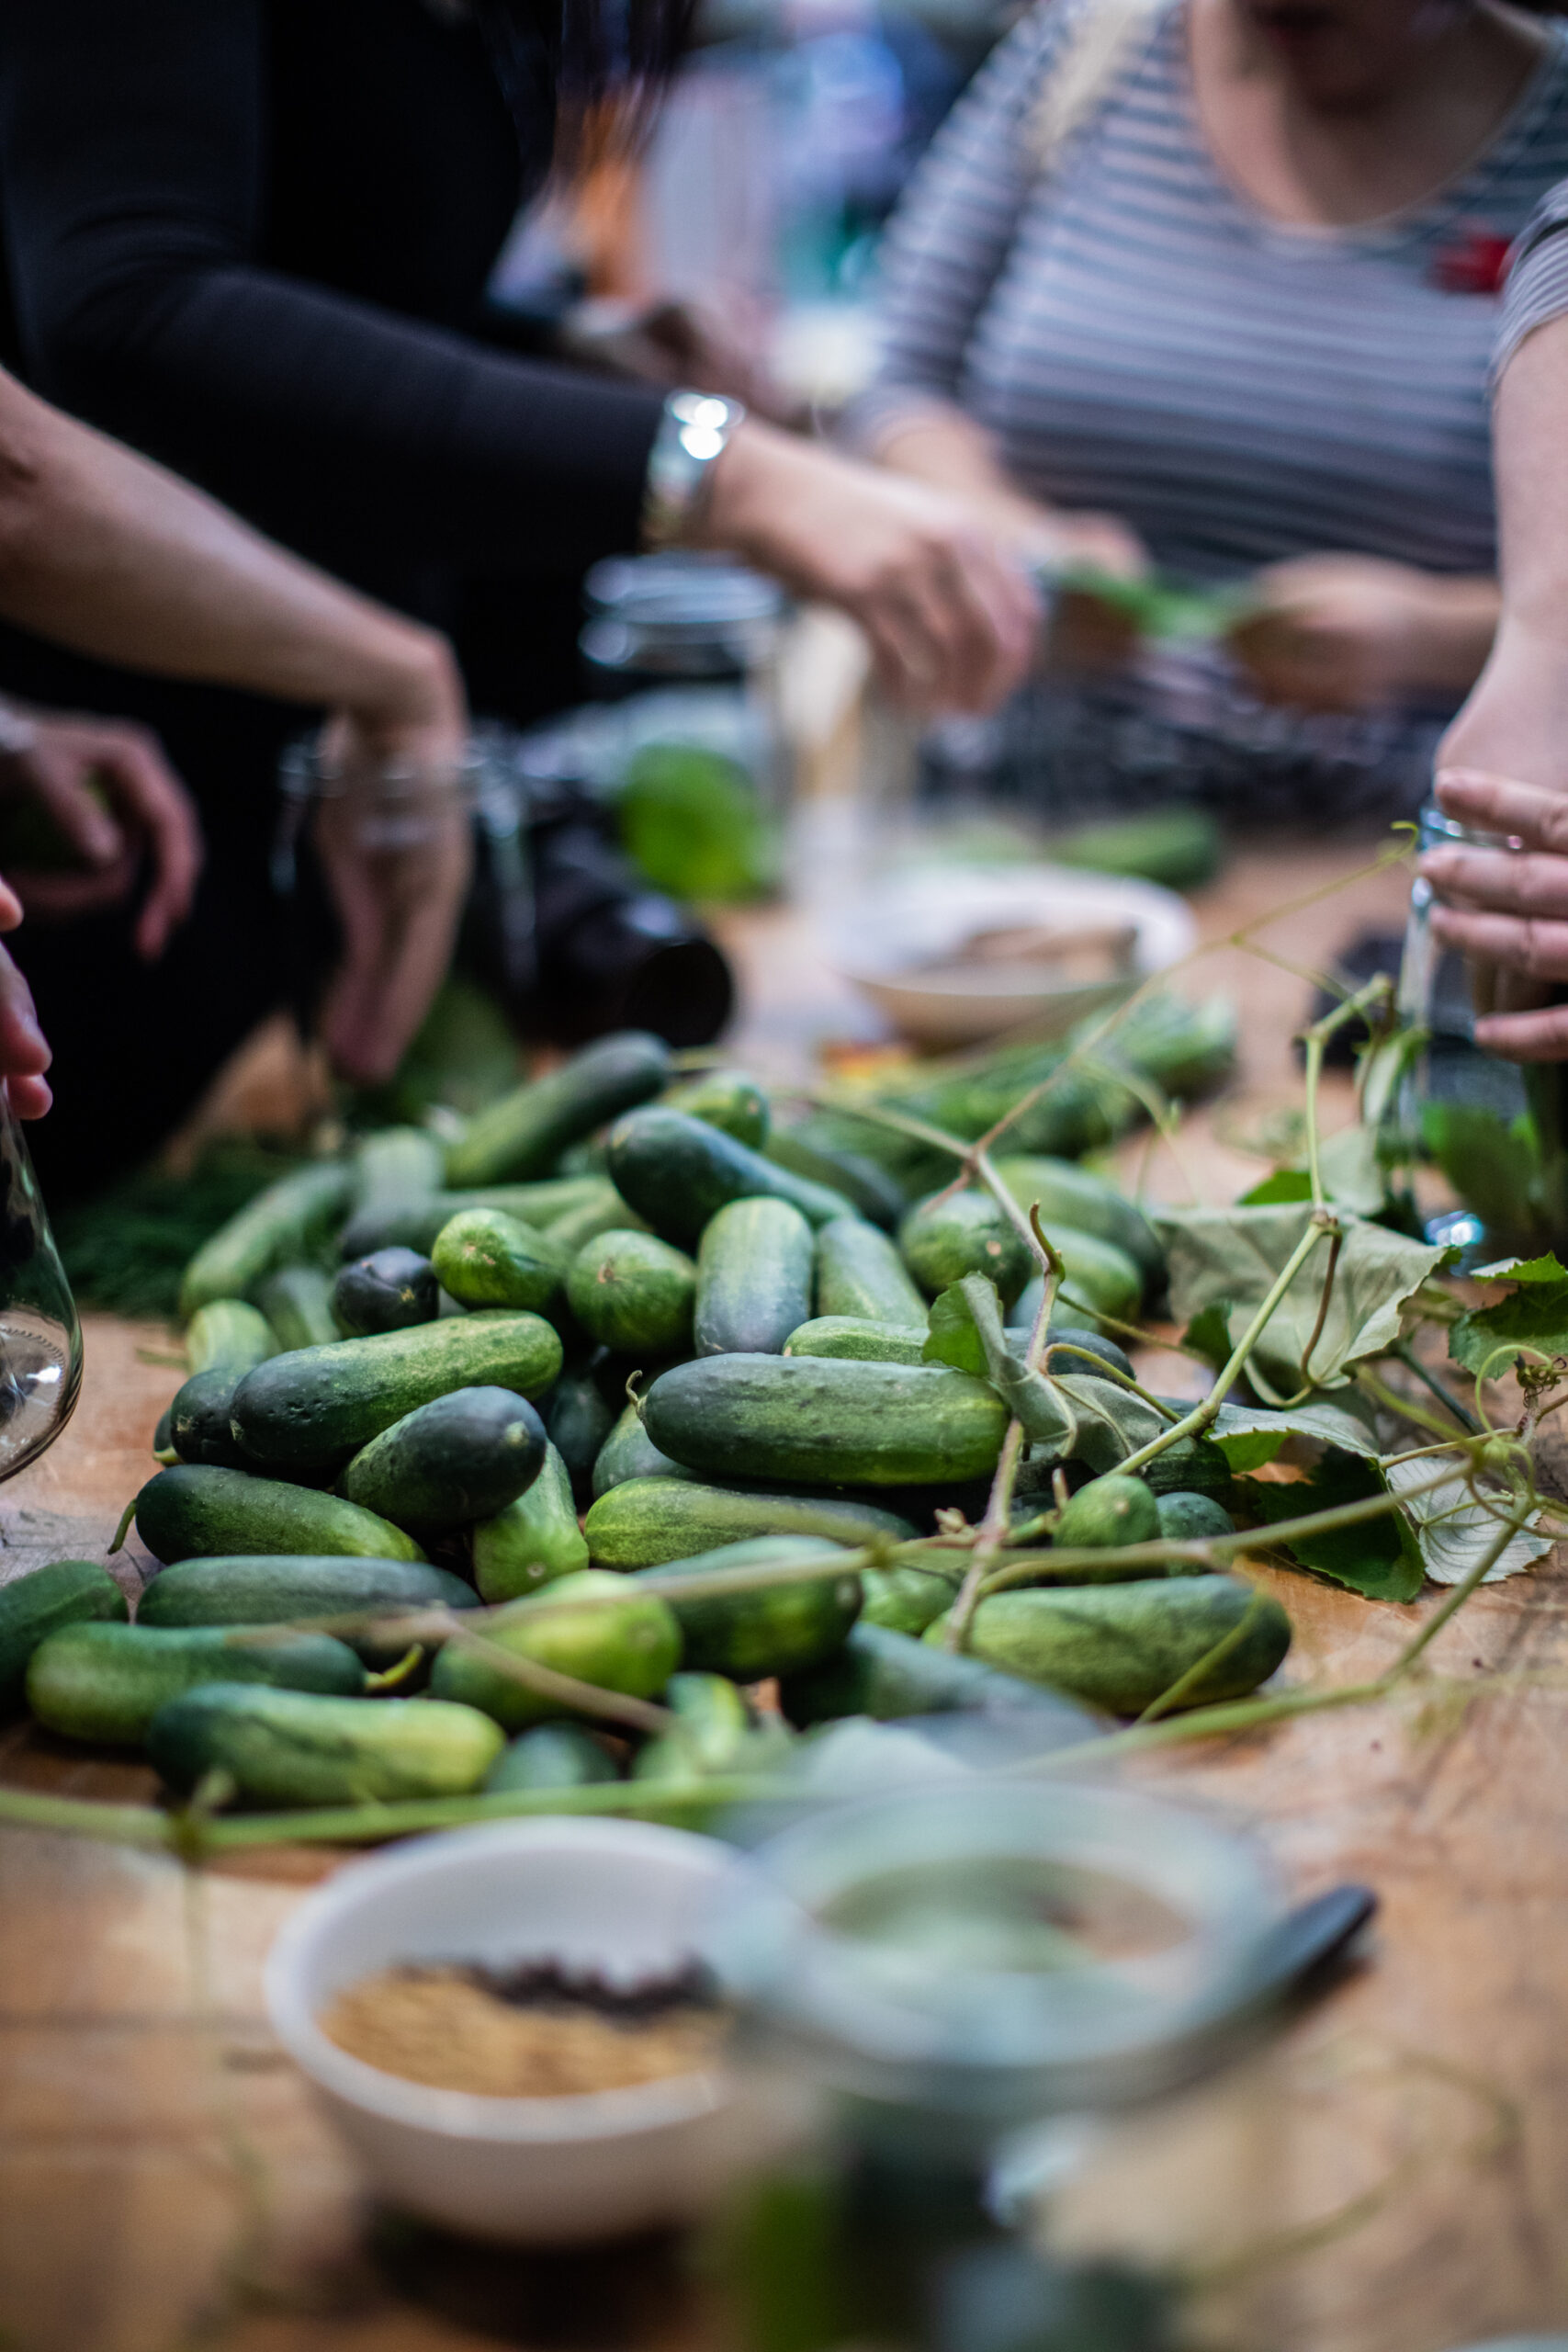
point(694, 431)
point(17, 732)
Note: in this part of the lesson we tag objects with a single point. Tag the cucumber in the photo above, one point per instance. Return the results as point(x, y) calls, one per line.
point(783, 1630)
point(907, 1599)
point(199, 1417)
point(886, 1675)
point(1109, 1511)
point(949, 1235)
point(864, 1184)
point(524, 1133)
point(556, 1756)
point(1197, 1465)
point(728, 1100)
point(228, 1331)
point(288, 1747)
point(1104, 1351)
point(712, 1730)
point(484, 1258)
point(1187, 1518)
point(677, 1172)
point(630, 1453)
point(533, 1541)
point(415, 1223)
point(822, 1423)
point(856, 1340)
point(461, 1458)
point(1100, 1279)
point(1120, 1646)
point(298, 1302)
point(66, 1592)
point(398, 1168)
point(632, 1294)
point(859, 1273)
point(607, 1213)
point(250, 1588)
point(285, 1222)
point(105, 1683)
point(632, 1646)
point(644, 1521)
point(320, 1403)
point(195, 1512)
point(391, 1290)
point(753, 1279)
point(578, 1421)
point(1068, 1194)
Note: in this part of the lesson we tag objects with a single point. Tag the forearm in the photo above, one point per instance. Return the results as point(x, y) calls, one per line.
point(1530, 442)
point(1449, 653)
point(949, 450)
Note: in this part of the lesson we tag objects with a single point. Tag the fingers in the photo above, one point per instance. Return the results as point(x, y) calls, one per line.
point(1525, 1036)
point(56, 773)
point(1495, 803)
point(24, 1053)
point(10, 907)
point(144, 788)
point(399, 917)
point(1508, 882)
point(952, 625)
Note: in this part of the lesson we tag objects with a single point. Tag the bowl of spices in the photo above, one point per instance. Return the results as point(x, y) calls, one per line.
point(509, 2026)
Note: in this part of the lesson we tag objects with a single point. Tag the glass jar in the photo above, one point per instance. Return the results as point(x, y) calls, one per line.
point(40, 1339)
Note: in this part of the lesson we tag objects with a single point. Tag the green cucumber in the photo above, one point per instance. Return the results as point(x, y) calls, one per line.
point(677, 1172)
point(252, 1588)
point(628, 1641)
point(391, 1290)
point(320, 1403)
point(857, 1340)
point(630, 1453)
point(823, 1423)
point(783, 1629)
point(578, 1421)
point(606, 1213)
point(632, 1294)
point(644, 1521)
point(228, 1331)
point(66, 1592)
point(395, 1169)
point(525, 1132)
point(859, 1273)
point(753, 1279)
point(556, 1756)
point(484, 1258)
point(286, 1222)
point(199, 1417)
point(195, 1512)
point(711, 1734)
point(298, 1302)
point(105, 1683)
point(885, 1674)
point(953, 1233)
point(1069, 1195)
point(1197, 1465)
point(1120, 1646)
point(1062, 1339)
point(727, 1099)
point(460, 1458)
point(908, 1599)
point(1099, 1279)
point(535, 1540)
point(415, 1223)
point(864, 1184)
point(290, 1747)
point(1187, 1517)
point(1109, 1511)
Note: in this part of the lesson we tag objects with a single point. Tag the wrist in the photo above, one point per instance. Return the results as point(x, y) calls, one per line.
point(746, 481)
point(414, 707)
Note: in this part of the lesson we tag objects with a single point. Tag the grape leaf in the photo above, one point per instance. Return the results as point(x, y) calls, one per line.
point(1348, 1163)
point(1378, 1557)
point(1343, 1422)
point(1453, 1530)
point(1066, 1415)
point(1533, 1315)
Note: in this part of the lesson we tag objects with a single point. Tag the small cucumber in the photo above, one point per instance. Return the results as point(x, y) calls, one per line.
point(199, 1417)
point(1187, 1518)
point(525, 1132)
point(250, 1588)
point(461, 1458)
point(290, 1747)
point(1069, 1195)
point(1195, 1466)
point(823, 1423)
point(728, 1100)
point(712, 1730)
point(632, 1646)
point(556, 1756)
point(859, 1273)
point(886, 1675)
point(856, 1340)
point(284, 1223)
point(415, 1223)
point(578, 1420)
point(105, 1683)
point(782, 1630)
point(535, 1540)
point(1062, 1339)
point(1109, 1511)
point(952, 1235)
point(632, 1294)
point(753, 1279)
point(1100, 1279)
point(228, 1331)
point(194, 1512)
point(66, 1592)
point(1120, 1646)
point(298, 1302)
point(630, 1453)
point(908, 1599)
point(644, 1521)
point(606, 1213)
point(864, 1184)
point(678, 1171)
point(398, 1168)
point(322, 1403)
point(391, 1290)
point(484, 1258)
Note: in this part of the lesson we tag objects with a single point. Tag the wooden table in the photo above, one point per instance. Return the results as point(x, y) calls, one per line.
point(164, 2182)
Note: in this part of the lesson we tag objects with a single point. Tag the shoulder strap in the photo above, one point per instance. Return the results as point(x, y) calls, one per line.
point(1097, 44)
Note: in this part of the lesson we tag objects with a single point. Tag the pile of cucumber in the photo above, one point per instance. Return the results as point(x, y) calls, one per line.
point(617, 1294)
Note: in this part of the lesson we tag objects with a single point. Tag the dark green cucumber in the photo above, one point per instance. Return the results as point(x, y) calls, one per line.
point(1070, 1195)
point(524, 1133)
point(1120, 1646)
point(290, 1747)
point(284, 1223)
point(954, 1234)
point(199, 1417)
point(484, 1258)
point(1069, 1347)
point(864, 1184)
point(727, 1099)
point(632, 1294)
point(1108, 1512)
point(1187, 1517)
point(250, 1589)
point(556, 1756)
point(298, 1302)
point(461, 1458)
point(578, 1421)
point(856, 1340)
point(1100, 1279)
point(320, 1403)
point(644, 1521)
point(606, 1213)
point(66, 1592)
point(1196, 1466)
point(677, 1172)
point(908, 1599)
point(415, 1223)
point(105, 1683)
point(228, 1331)
point(753, 1279)
point(196, 1513)
point(859, 1273)
point(630, 1453)
point(397, 1170)
point(391, 1290)
point(785, 1629)
point(824, 1423)
point(626, 1641)
point(535, 1540)
point(885, 1674)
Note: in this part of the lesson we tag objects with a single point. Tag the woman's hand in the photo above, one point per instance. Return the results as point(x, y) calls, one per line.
point(24, 1055)
point(108, 791)
point(1352, 632)
point(1508, 906)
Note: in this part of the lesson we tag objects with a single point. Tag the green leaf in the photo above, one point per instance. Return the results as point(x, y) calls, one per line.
point(1454, 1531)
point(1209, 1334)
point(1493, 1164)
point(1285, 1184)
point(1071, 1416)
point(952, 1336)
point(1524, 1270)
point(1253, 1451)
point(1379, 1557)
point(1348, 1166)
point(1343, 1422)
point(1534, 1316)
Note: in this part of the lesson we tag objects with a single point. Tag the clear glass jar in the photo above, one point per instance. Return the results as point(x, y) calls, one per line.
point(40, 1339)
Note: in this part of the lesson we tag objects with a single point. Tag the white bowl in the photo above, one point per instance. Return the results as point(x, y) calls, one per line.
point(620, 1898)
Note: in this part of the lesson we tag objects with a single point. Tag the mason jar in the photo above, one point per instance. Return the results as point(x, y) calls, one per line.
point(40, 1339)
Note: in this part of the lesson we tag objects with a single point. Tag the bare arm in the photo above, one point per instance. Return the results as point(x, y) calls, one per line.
point(951, 451)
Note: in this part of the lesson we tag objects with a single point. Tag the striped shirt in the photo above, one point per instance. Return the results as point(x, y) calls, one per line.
point(1537, 282)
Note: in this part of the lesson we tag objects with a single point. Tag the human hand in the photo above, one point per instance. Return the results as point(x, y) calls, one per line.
point(24, 1054)
point(1508, 907)
point(104, 786)
point(1353, 632)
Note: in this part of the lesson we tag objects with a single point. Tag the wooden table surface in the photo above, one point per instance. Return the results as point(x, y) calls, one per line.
point(165, 2182)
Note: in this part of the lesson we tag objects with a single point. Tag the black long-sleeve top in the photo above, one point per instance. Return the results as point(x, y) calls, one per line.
point(251, 237)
